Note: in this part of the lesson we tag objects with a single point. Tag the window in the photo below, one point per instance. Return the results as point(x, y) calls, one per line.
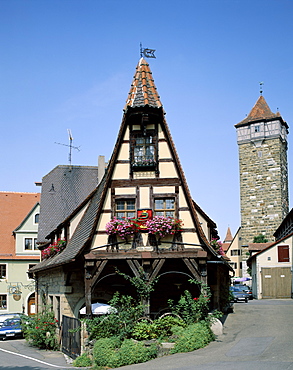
point(164, 207)
point(283, 253)
point(143, 151)
point(37, 215)
point(233, 265)
point(125, 208)
point(235, 252)
point(30, 244)
point(256, 129)
point(2, 271)
point(3, 301)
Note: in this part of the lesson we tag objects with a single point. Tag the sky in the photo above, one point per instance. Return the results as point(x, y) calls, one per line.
point(69, 64)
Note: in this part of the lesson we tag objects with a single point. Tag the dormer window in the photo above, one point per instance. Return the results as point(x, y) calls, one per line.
point(144, 148)
point(144, 151)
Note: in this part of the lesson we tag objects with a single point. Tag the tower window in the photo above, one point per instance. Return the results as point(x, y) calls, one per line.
point(144, 151)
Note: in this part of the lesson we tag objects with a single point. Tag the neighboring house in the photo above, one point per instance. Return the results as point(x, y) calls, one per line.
point(19, 218)
point(63, 189)
point(271, 267)
point(144, 179)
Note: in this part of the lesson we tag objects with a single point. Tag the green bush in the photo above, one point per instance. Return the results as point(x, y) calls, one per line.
point(40, 330)
point(160, 328)
point(82, 361)
point(144, 330)
point(163, 327)
point(193, 337)
point(118, 323)
point(132, 352)
point(107, 352)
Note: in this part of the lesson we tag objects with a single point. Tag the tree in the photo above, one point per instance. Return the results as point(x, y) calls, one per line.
point(260, 239)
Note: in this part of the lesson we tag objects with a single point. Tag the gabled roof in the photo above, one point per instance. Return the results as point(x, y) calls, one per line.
point(63, 189)
point(142, 94)
point(26, 218)
point(143, 91)
point(14, 207)
point(260, 111)
point(271, 245)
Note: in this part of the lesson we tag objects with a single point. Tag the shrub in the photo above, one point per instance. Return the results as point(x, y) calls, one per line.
point(40, 330)
point(163, 327)
point(82, 361)
point(144, 330)
point(195, 336)
point(132, 352)
point(107, 352)
point(118, 323)
point(160, 328)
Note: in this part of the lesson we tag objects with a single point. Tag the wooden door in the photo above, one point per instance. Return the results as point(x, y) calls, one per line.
point(31, 305)
point(276, 282)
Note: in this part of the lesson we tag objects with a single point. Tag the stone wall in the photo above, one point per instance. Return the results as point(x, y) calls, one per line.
point(57, 289)
point(263, 187)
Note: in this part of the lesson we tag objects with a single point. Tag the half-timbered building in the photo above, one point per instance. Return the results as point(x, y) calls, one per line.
point(140, 220)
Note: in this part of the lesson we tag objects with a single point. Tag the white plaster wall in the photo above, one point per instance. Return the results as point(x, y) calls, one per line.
point(121, 171)
point(144, 197)
point(167, 170)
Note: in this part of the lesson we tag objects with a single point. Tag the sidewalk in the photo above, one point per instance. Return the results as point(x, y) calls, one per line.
point(55, 359)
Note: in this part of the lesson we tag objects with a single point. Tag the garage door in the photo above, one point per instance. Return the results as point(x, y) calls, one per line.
point(276, 282)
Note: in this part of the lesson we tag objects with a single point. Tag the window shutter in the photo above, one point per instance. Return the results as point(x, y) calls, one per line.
point(283, 253)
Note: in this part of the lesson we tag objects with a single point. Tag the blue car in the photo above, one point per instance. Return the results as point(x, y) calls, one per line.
point(11, 328)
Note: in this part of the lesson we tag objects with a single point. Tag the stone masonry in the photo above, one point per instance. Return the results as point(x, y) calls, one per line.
point(263, 188)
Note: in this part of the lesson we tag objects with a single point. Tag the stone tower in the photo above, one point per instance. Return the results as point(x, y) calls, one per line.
point(262, 143)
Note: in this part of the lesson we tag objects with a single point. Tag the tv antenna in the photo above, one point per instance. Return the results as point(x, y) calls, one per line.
point(70, 145)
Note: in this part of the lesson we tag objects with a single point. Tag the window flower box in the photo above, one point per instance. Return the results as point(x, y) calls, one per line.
point(159, 226)
point(53, 249)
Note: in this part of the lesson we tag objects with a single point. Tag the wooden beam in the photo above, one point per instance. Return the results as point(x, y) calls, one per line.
point(157, 269)
point(192, 269)
point(133, 267)
point(100, 268)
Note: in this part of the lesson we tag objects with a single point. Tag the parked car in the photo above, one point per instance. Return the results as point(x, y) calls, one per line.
point(246, 289)
point(5, 316)
point(238, 294)
point(11, 328)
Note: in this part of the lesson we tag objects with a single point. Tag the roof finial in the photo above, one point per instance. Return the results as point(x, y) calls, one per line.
point(148, 53)
point(260, 87)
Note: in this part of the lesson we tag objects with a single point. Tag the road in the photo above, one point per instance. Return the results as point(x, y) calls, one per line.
point(257, 336)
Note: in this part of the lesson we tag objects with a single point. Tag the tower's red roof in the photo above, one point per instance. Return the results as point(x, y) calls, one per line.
point(260, 111)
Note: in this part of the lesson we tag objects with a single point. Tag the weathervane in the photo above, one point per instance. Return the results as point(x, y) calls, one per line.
point(260, 87)
point(70, 145)
point(148, 53)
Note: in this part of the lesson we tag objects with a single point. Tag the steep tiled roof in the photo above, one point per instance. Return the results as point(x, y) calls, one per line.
point(14, 207)
point(63, 189)
point(143, 90)
point(260, 111)
point(229, 236)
